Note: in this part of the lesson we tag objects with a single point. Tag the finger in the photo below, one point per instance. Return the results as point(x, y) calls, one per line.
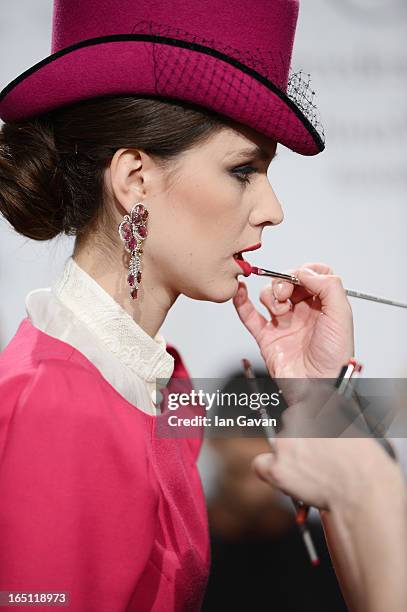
point(283, 289)
point(327, 287)
point(263, 466)
point(320, 268)
point(294, 293)
point(248, 314)
point(301, 293)
point(273, 305)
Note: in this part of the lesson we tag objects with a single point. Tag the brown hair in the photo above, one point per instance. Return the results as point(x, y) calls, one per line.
point(52, 166)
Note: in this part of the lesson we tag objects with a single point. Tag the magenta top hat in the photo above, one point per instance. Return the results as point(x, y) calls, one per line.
point(231, 57)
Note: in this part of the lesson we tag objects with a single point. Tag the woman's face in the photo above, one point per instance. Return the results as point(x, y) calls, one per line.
point(213, 203)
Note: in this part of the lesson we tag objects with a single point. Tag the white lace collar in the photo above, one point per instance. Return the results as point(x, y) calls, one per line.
point(114, 327)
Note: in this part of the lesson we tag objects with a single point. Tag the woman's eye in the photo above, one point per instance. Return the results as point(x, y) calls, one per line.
point(243, 173)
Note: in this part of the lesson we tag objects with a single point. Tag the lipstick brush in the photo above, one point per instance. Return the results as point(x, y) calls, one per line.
point(295, 281)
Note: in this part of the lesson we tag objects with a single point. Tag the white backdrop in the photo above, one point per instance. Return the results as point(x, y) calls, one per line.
point(346, 207)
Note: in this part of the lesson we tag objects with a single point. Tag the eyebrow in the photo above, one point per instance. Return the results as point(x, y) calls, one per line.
point(255, 152)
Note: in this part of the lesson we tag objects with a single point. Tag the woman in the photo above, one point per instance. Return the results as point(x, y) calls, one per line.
point(167, 125)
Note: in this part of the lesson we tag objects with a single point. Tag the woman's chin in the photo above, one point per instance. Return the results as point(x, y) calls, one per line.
point(225, 292)
point(218, 292)
point(229, 289)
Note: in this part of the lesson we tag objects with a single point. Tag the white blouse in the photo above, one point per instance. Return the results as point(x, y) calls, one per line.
point(78, 311)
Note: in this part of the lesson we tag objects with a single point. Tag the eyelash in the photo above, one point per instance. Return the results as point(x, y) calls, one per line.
point(242, 173)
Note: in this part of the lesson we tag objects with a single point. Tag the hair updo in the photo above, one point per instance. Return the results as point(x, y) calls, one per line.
point(52, 166)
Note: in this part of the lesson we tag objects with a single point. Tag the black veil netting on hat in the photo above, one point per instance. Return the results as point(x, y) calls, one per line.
point(261, 64)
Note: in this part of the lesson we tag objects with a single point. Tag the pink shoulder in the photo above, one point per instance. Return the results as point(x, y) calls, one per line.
point(70, 400)
point(63, 413)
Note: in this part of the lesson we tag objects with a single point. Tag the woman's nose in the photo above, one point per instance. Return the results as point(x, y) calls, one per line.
point(268, 210)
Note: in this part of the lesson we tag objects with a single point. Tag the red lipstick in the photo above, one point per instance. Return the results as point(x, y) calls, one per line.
point(246, 267)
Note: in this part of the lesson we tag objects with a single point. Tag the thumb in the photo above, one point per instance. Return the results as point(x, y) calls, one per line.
point(248, 314)
point(263, 466)
point(327, 287)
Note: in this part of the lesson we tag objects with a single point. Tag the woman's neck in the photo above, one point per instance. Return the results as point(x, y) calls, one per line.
point(149, 309)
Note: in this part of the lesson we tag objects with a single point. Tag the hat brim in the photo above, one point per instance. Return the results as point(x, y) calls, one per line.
point(158, 66)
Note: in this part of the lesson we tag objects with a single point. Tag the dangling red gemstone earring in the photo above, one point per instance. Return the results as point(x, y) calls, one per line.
point(133, 231)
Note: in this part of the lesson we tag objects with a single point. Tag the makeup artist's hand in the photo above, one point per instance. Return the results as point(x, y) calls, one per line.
point(363, 498)
point(328, 473)
point(310, 330)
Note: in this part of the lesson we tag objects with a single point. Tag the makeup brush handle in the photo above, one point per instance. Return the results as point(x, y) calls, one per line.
point(374, 298)
point(349, 292)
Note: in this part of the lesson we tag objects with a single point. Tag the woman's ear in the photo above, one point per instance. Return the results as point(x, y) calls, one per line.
point(125, 177)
